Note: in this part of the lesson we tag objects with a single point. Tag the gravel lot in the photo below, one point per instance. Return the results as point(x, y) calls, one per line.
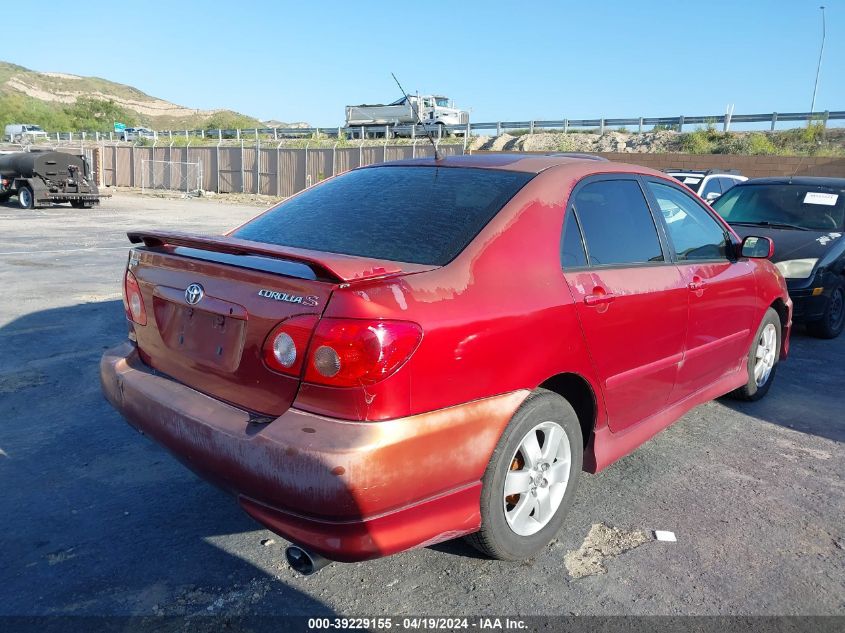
point(96, 520)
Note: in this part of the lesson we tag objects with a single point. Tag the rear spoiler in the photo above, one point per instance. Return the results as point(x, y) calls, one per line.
point(330, 266)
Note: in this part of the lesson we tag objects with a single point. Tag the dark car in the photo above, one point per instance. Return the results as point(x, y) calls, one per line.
point(806, 219)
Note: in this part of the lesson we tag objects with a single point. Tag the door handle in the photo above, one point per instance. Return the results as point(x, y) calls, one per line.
point(697, 284)
point(595, 300)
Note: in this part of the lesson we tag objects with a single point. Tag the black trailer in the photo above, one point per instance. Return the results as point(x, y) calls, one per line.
point(40, 179)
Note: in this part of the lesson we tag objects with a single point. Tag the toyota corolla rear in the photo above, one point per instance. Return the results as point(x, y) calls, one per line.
point(258, 359)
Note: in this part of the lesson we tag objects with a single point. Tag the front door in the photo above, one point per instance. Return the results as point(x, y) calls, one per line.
point(721, 291)
point(630, 299)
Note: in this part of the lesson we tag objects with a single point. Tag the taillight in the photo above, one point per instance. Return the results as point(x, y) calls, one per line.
point(133, 302)
point(284, 349)
point(353, 352)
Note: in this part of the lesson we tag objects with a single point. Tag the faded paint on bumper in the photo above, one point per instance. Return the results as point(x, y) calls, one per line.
point(349, 490)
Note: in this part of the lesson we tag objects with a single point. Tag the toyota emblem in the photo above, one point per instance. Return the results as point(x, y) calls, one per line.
point(193, 294)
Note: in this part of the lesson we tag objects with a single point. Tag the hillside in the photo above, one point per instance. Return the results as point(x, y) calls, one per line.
point(60, 102)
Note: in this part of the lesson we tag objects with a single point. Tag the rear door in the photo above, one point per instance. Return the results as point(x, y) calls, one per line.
point(721, 292)
point(630, 299)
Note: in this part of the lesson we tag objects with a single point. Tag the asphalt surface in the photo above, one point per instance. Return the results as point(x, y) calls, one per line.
point(97, 520)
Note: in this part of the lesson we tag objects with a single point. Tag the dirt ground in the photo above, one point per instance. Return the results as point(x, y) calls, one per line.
point(97, 520)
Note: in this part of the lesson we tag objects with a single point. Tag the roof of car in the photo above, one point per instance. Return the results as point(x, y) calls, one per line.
point(702, 172)
point(805, 181)
point(530, 163)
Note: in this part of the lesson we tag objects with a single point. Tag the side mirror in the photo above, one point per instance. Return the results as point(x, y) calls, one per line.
point(710, 197)
point(757, 247)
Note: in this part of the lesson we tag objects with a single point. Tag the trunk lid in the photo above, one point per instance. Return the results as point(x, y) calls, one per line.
point(211, 302)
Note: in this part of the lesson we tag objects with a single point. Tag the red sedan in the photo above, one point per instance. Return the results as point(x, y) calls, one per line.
point(421, 350)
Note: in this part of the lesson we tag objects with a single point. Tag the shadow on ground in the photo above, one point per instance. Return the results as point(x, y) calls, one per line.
point(806, 394)
point(96, 520)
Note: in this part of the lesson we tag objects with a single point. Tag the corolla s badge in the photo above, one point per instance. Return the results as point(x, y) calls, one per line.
point(309, 301)
point(193, 294)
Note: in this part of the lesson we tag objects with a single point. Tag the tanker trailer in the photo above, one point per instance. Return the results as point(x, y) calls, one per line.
point(39, 179)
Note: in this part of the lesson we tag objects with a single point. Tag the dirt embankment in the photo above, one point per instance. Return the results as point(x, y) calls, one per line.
point(810, 141)
point(661, 141)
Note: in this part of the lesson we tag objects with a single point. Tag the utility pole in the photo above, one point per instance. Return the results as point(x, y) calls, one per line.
point(819, 67)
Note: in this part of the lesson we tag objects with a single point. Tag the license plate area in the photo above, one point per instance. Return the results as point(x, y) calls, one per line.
point(207, 338)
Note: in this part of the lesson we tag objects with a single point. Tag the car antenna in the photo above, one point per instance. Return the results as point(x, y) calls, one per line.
point(797, 167)
point(417, 114)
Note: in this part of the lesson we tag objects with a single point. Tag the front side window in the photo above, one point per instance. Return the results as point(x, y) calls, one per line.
point(617, 225)
point(694, 233)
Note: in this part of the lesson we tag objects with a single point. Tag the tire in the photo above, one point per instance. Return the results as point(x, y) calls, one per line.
point(25, 198)
point(766, 343)
point(831, 324)
point(77, 204)
point(506, 532)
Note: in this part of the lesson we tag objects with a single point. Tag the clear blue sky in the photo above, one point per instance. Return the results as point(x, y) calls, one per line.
point(304, 61)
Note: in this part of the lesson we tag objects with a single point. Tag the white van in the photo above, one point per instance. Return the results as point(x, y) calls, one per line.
point(19, 132)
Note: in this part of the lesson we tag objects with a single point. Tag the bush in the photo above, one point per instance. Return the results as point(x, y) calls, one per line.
point(702, 141)
point(759, 143)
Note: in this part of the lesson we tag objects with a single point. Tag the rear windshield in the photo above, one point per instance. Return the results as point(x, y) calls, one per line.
point(420, 215)
point(811, 207)
point(691, 181)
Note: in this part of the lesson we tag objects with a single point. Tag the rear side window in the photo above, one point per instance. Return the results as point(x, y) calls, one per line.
point(572, 247)
point(420, 215)
point(617, 224)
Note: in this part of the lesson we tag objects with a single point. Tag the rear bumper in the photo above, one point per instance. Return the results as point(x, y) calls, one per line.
point(348, 490)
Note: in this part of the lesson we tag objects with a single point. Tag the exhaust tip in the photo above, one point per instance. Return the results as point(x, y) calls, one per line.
point(304, 562)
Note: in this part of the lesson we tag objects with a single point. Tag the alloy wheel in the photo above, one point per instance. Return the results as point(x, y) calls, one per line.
point(765, 354)
point(536, 482)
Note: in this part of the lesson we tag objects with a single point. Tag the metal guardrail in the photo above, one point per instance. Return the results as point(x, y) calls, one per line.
point(677, 123)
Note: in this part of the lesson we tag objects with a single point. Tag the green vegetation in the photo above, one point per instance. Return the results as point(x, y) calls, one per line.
point(812, 140)
point(87, 113)
point(228, 120)
point(660, 127)
point(97, 104)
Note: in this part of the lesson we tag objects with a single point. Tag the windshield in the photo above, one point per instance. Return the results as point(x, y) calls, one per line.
point(33, 128)
point(813, 207)
point(420, 215)
point(693, 182)
point(443, 102)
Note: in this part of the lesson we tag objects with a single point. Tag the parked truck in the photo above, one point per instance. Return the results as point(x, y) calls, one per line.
point(42, 178)
point(23, 133)
point(399, 116)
